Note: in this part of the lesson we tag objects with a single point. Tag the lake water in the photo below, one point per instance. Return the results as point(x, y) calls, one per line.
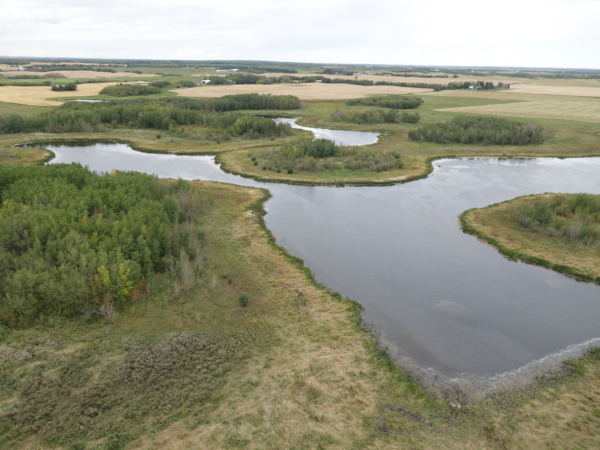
point(443, 301)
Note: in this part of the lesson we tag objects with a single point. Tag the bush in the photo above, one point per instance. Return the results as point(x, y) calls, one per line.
point(161, 84)
point(371, 116)
point(480, 130)
point(389, 101)
point(128, 90)
point(64, 87)
point(244, 299)
point(575, 217)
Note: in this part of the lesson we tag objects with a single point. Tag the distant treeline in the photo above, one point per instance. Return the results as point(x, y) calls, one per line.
point(32, 77)
point(370, 116)
point(241, 78)
point(480, 130)
point(389, 101)
point(571, 216)
point(75, 243)
point(161, 114)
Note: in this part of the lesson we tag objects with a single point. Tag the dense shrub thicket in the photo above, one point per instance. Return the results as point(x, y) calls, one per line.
point(160, 114)
point(129, 90)
point(74, 242)
point(320, 155)
point(480, 130)
point(64, 87)
point(571, 216)
point(375, 116)
point(389, 101)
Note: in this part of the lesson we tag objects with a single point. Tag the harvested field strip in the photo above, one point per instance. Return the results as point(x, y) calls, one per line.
point(576, 91)
point(311, 91)
point(37, 95)
point(579, 111)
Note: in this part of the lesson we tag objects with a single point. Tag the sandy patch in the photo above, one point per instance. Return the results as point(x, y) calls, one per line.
point(575, 91)
point(568, 110)
point(82, 74)
point(309, 91)
point(37, 95)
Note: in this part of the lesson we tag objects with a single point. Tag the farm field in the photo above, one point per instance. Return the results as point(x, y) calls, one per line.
point(556, 109)
point(577, 91)
point(38, 95)
point(308, 91)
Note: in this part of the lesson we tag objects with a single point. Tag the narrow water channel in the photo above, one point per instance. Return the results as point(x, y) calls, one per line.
point(443, 301)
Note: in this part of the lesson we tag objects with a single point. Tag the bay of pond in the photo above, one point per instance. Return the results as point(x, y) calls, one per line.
point(444, 303)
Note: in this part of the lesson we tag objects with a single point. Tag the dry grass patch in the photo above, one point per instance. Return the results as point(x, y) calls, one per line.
point(307, 91)
point(38, 95)
point(567, 110)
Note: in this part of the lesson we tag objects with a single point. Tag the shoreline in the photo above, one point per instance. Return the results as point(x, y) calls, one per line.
point(433, 382)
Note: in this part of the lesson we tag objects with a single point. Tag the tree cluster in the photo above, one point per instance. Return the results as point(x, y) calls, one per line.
point(129, 90)
point(76, 243)
point(321, 155)
point(480, 130)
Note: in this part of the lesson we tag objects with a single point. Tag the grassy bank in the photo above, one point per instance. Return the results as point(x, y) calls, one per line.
point(499, 226)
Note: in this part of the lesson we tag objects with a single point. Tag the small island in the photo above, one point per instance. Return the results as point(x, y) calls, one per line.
point(558, 231)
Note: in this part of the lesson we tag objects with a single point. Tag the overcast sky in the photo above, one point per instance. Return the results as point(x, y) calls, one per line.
point(528, 33)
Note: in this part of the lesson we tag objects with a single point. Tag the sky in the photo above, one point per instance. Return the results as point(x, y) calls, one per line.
point(506, 33)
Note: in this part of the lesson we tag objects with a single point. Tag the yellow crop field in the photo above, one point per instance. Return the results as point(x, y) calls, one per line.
point(82, 74)
point(568, 110)
point(309, 91)
point(37, 95)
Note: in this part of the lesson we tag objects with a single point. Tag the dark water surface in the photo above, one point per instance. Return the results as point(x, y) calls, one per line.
point(441, 299)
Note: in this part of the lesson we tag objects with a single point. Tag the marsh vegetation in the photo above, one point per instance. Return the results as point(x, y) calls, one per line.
point(322, 155)
point(574, 217)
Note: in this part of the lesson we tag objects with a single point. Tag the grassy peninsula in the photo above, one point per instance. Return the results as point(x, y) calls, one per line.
point(558, 231)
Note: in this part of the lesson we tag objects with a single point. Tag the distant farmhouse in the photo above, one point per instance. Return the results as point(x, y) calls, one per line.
point(228, 70)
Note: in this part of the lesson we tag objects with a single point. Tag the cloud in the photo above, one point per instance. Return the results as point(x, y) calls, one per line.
point(552, 33)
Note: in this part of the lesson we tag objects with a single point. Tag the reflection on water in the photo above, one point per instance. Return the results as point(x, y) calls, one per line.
point(441, 299)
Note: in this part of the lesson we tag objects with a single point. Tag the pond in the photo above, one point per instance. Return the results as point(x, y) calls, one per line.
point(443, 301)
